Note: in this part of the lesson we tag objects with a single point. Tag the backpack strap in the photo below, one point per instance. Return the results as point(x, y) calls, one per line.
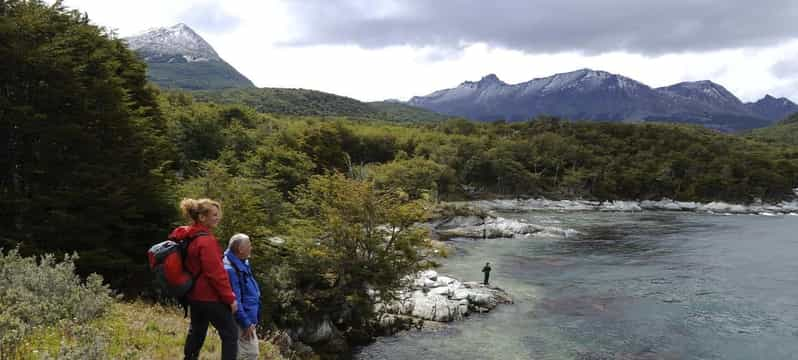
point(184, 253)
point(184, 248)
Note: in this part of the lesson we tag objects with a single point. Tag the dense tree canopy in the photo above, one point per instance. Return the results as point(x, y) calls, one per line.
point(83, 138)
point(542, 157)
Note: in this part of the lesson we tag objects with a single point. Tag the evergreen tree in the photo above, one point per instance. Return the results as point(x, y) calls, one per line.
point(83, 140)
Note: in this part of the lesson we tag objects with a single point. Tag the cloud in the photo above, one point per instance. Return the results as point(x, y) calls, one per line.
point(436, 54)
point(546, 26)
point(787, 68)
point(209, 17)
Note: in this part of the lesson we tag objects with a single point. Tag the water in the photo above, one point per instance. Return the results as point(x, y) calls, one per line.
point(647, 285)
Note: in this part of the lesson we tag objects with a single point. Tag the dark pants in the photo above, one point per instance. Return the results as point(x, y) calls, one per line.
point(487, 276)
point(220, 316)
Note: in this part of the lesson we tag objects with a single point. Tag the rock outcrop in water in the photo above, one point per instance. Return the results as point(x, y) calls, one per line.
point(432, 297)
point(487, 227)
point(490, 227)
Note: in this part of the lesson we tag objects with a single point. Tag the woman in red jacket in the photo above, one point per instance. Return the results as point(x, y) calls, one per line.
point(211, 300)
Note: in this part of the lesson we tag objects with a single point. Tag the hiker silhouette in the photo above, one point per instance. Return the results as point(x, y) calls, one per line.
point(486, 270)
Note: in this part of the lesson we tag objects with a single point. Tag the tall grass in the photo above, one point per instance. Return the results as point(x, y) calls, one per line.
point(48, 312)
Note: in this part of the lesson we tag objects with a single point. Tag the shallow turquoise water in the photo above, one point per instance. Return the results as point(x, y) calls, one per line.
point(646, 285)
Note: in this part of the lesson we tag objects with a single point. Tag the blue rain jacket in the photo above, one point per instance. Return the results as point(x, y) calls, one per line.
point(246, 289)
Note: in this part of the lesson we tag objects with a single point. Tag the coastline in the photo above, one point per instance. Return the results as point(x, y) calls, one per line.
point(715, 207)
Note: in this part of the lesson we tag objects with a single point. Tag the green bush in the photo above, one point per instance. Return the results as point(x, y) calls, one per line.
point(350, 238)
point(37, 292)
point(416, 176)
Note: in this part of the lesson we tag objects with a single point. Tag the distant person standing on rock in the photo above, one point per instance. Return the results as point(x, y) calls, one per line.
point(486, 270)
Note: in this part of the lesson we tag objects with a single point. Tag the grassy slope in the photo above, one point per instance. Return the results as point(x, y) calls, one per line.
point(305, 102)
point(783, 132)
point(394, 111)
point(289, 101)
point(197, 76)
point(137, 330)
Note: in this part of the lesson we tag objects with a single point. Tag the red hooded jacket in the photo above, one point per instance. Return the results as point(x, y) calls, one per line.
point(204, 258)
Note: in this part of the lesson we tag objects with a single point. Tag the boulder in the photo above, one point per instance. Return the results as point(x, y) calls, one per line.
point(443, 291)
point(316, 332)
point(449, 300)
point(436, 308)
point(459, 222)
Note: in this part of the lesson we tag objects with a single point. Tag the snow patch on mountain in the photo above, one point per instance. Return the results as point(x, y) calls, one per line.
point(587, 94)
point(178, 40)
point(707, 92)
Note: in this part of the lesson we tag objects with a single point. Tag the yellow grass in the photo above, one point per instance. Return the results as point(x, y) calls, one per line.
point(135, 330)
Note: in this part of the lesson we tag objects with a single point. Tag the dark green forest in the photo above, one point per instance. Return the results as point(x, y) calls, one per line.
point(456, 159)
point(96, 160)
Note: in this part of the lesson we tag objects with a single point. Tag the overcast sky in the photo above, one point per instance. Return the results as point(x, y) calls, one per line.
point(383, 49)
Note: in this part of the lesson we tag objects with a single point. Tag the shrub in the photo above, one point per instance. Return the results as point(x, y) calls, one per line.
point(36, 292)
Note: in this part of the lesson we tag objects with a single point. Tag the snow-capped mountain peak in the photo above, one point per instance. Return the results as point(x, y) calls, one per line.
point(490, 78)
point(588, 94)
point(704, 89)
point(178, 40)
point(774, 108)
point(486, 81)
point(774, 100)
point(582, 80)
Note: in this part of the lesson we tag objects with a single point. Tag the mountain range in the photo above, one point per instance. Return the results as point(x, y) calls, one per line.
point(177, 57)
point(598, 95)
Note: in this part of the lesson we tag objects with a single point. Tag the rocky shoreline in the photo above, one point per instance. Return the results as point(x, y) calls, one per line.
point(428, 301)
point(490, 227)
point(477, 220)
point(715, 207)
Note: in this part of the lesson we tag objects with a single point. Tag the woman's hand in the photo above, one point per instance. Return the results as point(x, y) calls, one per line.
point(234, 306)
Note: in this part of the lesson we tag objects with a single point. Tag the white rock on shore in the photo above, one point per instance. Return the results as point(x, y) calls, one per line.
point(443, 299)
point(492, 227)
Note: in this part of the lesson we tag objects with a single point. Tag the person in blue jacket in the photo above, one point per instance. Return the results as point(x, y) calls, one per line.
point(236, 262)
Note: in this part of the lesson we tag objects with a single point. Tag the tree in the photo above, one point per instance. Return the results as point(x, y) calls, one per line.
point(250, 205)
point(84, 145)
point(196, 129)
point(328, 145)
point(349, 239)
point(287, 167)
point(415, 176)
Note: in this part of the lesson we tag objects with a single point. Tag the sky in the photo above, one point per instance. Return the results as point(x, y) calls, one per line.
point(386, 49)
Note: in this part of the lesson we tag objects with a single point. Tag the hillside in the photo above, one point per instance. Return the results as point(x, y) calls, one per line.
point(783, 132)
point(397, 111)
point(196, 76)
point(303, 102)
